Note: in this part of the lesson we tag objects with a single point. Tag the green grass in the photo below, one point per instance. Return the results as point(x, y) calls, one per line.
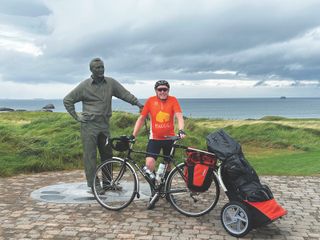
point(35, 142)
point(39, 141)
point(303, 163)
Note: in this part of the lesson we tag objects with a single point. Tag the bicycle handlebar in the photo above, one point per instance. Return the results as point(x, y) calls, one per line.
point(132, 140)
point(122, 143)
point(173, 138)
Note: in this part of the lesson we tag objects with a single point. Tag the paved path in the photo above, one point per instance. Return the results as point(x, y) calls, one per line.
point(22, 217)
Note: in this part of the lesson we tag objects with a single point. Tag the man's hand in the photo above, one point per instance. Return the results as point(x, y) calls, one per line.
point(132, 138)
point(81, 119)
point(181, 134)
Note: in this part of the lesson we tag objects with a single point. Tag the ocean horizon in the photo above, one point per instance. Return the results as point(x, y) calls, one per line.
point(221, 108)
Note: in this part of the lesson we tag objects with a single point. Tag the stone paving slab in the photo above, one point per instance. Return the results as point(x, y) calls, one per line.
point(22, 217)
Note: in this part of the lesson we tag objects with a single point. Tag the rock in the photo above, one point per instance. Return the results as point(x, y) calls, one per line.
point(5, 109)
point(49, 106)
point(46, 110)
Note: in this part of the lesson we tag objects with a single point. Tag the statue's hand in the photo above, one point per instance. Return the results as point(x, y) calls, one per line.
point(82, 119)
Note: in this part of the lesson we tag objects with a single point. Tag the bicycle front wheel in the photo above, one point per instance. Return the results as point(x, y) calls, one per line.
point(115, 184)
point(187, 202)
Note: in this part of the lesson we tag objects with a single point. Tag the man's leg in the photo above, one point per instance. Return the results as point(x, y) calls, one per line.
point(150, 163)
point(89, 142)
point(153, 149)
point(105, 151)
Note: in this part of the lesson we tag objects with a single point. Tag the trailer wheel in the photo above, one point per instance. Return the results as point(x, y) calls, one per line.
point(236, 219)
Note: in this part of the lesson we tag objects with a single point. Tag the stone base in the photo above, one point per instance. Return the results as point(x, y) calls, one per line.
point(76, 193)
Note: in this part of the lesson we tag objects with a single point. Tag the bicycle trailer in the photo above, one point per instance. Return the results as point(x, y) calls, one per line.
point(251, 203)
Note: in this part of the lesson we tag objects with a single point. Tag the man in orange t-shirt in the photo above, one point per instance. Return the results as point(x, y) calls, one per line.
point(162, 109)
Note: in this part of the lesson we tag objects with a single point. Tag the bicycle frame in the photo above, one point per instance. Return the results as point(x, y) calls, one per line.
point(167, 158)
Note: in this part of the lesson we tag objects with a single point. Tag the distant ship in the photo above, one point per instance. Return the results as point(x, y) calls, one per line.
point(283, 97)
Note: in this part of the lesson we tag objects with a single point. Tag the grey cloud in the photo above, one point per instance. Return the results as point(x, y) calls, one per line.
point(260, 83)
point(29, 16)
point(30, 25)
point(30, 8)
point(255, 40)
point(29, 69)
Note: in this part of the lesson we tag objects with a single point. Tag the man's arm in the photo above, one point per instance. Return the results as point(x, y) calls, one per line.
point(73, 97)
point(180, 119)
point(125, 95)
point(138, 125)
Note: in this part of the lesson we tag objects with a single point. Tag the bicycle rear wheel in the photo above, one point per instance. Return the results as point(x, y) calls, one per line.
point(115, 184)
point(192, 204)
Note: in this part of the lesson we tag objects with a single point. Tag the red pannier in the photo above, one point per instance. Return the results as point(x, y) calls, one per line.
point(198, 170)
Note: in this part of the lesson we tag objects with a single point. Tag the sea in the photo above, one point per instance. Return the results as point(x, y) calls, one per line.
point(214, 108)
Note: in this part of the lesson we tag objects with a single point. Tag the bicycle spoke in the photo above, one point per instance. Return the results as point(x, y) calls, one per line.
point(187, 202)
point(235, 219)
point(118, 184)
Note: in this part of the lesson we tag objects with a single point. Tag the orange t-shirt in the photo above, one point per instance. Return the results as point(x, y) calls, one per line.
point(162, 116)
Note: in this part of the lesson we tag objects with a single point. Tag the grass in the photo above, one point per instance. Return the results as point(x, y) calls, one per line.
point(288, 164)
point(39, 141)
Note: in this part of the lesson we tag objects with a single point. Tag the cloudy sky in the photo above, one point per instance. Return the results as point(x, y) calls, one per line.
point(205, 48)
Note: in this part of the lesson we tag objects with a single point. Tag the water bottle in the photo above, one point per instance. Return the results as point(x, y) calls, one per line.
point(147, 171)
point(160, 172)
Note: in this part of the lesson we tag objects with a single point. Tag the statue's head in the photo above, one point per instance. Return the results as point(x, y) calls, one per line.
point(97, 67)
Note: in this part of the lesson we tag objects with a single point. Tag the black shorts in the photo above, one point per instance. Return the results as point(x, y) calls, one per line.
point(154, 147)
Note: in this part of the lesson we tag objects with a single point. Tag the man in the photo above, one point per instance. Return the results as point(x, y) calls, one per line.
point(96, 93)
point(162, 109)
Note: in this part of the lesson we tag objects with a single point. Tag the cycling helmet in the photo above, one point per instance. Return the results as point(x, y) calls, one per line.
point(161, 82)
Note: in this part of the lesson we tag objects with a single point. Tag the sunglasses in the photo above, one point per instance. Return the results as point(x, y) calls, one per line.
point(162, 89)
